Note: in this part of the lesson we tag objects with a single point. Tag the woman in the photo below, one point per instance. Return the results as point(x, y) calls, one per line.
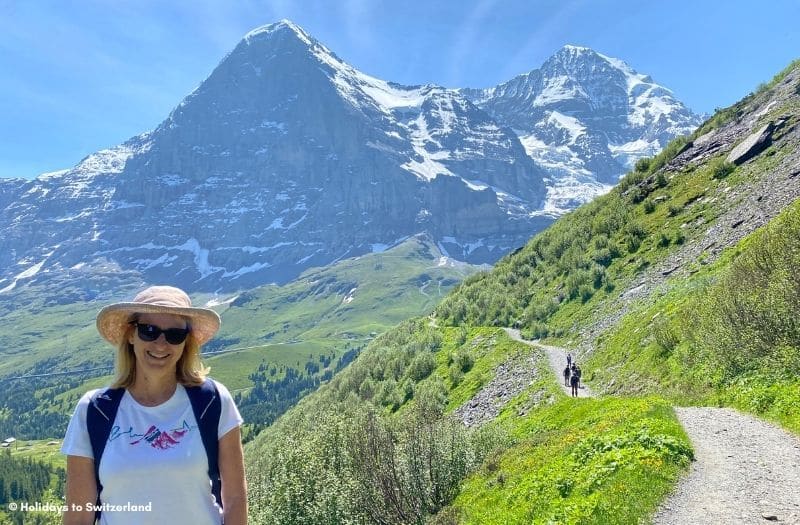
point(156, 463)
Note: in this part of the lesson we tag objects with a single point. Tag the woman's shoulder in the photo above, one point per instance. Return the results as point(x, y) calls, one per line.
point(222, 389)
point(86, 398)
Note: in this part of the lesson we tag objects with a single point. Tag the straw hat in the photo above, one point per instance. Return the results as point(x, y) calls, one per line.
point(113, 320)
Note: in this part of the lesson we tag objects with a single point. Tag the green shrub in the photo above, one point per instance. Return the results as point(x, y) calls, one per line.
point(720, 169)
point(421, 366)
point(600, 242)
point(632, 243)
point(455, 375)
point(673, 210)
point(635, 229)
point(464, 360)
point(603, 257)
point(598, 276)
point(638, 194)
point(643, 165)
point(664, 336)
point(536, 330)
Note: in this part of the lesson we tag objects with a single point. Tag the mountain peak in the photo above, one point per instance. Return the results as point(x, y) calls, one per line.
point(575, 55)
point(572, 54)
point(286, 36)
point(281, 29)
point(576, 50)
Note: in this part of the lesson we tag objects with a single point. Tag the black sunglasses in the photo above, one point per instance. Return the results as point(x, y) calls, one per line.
point(151, 332)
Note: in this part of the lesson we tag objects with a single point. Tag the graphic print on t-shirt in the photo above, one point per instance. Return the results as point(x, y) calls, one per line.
point(158, 439)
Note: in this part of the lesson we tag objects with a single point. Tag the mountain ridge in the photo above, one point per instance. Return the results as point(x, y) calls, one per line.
point(586, 118)
point(285, 157)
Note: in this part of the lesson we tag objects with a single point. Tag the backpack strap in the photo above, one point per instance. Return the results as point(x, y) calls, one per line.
point(207, 408)
point(100, 417)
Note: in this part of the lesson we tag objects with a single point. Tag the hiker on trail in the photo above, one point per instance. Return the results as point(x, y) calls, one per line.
point(567, 373)
point(569, 359)
point(573, 381)
point(163, 440)
point(577, 372)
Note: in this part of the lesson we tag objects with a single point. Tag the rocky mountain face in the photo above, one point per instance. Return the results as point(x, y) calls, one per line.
point(586, 119)
point(286, 157)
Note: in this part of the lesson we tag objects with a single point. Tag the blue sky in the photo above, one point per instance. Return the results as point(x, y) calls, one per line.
point(82, 75)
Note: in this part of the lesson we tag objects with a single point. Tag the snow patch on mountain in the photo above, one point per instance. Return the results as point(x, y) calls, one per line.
point(28, 273)
point(627, 154)
point(571, 191)
point(571, 125)
point(560, 160)
point(559, 89)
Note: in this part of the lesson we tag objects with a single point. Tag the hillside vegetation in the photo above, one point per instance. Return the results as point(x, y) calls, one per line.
point(278, 342)
point(23, 479)
point(378, 444)
point(729, 334)
point(678, 285)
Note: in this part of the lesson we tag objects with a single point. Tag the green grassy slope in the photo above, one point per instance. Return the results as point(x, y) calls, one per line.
point(728, 335)
point(544, 458)
point(305, 327)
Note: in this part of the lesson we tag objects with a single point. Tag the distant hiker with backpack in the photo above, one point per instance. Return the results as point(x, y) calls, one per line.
point(163, 443)
point(567, 373)
point(573, 381)
point(578, 373)
point(569, 359)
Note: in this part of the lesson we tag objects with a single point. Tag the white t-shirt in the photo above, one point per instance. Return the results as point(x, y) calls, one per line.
point(154, 460)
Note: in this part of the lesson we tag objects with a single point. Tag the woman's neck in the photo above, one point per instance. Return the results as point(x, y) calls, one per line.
point(151, 391)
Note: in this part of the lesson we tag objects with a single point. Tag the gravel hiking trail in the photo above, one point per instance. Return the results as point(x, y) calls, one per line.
point(557, 357)
point(746, 471)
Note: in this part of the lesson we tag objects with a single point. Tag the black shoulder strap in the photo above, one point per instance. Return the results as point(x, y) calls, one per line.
point(100, 417)
point(207, 408)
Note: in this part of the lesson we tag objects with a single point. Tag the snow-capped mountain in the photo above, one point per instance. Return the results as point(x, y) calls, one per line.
point(285, 157)
point(585, 118)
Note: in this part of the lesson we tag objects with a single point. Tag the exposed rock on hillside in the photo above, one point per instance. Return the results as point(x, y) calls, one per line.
point(763, 123)
point(511, 377)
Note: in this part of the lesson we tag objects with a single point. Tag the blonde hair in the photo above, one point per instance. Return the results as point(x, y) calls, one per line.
point(189, 370)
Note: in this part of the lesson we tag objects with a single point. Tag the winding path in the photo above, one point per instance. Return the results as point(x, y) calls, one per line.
point(746, 471)
point(557, 357)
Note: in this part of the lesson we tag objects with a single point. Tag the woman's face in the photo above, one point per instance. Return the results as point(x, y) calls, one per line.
point(158, 355)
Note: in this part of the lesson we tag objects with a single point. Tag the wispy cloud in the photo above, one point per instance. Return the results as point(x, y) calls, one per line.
point(358, 16)
point(468, 40)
